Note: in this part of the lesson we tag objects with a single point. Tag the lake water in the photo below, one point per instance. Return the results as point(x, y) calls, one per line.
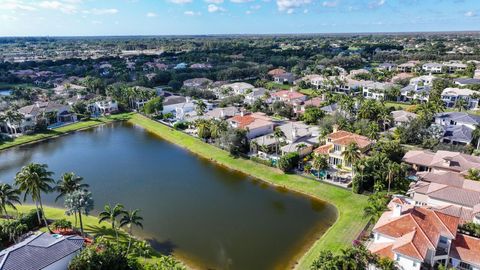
point(5, 92)
point(210, 216)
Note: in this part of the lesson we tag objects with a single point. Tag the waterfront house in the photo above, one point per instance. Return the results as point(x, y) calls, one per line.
point(41, 251)
point(256, 124)
point(336, 143)
point(50, 112)
point(420, 238)
point(107, 106)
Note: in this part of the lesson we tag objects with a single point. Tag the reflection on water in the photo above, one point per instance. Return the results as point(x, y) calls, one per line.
point(209, 215)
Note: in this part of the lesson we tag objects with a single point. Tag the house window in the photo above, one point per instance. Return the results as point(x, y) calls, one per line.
point(443, 240)
point(414, 264)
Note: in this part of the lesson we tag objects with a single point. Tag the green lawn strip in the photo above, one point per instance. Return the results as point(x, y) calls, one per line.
point(63, 130)
point(90, 225)
point(349, 206)
point(274, 85)
point(308, 92)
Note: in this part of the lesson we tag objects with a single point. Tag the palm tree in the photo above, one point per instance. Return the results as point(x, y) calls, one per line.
point(476, 135)
point(142, 249)
point(68, 183)
point(111, 214)
point(473, 174)
point(200, 107)
point(461, 104)
point(34, 179)
point(320, 162)
point(13, 117)
point(393, 169)
point(277, 134)
point(131, 219)
point(8, 197)
point(351, 154)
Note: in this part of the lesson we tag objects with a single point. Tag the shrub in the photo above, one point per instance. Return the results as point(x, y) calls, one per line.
point(180, 125)
point(288, 161)
point(62, 224)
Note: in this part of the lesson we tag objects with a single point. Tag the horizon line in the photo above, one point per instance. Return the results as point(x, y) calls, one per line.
point(258, 34)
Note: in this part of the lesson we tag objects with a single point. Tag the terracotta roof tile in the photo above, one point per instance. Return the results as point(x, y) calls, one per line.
point(466, 248)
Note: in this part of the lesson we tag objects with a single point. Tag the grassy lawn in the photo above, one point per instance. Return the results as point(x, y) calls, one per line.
point(63, 130)
point(349, 206)
point(308, 92)
point(274, 85)
point(397, 104)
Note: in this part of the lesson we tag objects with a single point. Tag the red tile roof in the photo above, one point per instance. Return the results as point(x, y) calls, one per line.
point(466, 248)
point(242, 121)
point(286, 94)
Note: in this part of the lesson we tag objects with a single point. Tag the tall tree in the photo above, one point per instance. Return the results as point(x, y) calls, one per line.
point(9, 196)
point(77, 202)
point(130, 219)
point(351, 154)
point(68, 183)
point(33, 180)
point(111, 214)
point(320, 162)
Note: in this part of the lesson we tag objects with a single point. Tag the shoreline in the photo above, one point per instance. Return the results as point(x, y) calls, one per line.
point(62, 131)
point(347, 205)
point(343, 200)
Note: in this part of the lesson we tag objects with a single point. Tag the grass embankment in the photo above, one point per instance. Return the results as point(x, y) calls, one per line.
point(63, 130)
point(350, 206)
point(90, 225)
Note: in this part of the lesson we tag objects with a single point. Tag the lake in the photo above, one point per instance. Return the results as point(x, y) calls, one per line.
point(5, 92)
point(207, 215)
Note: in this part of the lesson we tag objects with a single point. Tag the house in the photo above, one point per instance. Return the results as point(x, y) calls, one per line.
point(425, 160)
point(375, 90)
point(423, 80)
point(402, 117)
point(432, 67)
point(238, 88)
point(387, 67)
point(53, 114)
point(256, 124)
point(313, 102)
point(451, 95)
point(449, 192)
point(197, 83)
point(285, 78)
point(467, 81)
point(346, 85)
point(331, 109)
point(336, 143)
point(414, 92)
point(408, 67)
point(275, 72)
point(455, 66)
point(316, 81)
point(289, 96)
point(222, 113)
point(256, 94)
point(476, 74)
point(181, 107)
point(41, 251)
point(419, 238)
point(457, 119)
point(299, 137)
point(107, 106)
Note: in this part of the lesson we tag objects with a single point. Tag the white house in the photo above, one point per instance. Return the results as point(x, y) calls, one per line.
point(256, 124)
point(375, 90)
point(106, 106)
point(451, 95)
point(432, 67)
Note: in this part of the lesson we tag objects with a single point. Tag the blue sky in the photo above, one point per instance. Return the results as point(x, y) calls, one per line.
point(164, 17)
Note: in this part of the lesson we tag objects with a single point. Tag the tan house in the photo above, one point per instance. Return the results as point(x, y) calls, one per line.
point(336, 143)
point(424, 160)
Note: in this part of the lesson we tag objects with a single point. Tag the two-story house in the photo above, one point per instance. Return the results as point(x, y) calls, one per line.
point(451, 96)
point(336, 143)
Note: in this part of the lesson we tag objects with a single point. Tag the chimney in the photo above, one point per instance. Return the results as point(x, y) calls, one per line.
point(291, 89)
point(222, 113)
point(242, 113)
point(294, 134)
point(335, 128)
point(397, 210)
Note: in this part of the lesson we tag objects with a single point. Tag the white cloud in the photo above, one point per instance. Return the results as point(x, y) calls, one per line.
point(255, 7)
point(6, 17)
point(102, 11)
point(214, 8)
point(376, 3)
point(180, 1)
point(214, 1)
point(56, 5)
point(241, 1)
point(151, 14)
point(192, 13)
point(470, 13)
point(15, 5)
point(330, 3)
point(290, 5)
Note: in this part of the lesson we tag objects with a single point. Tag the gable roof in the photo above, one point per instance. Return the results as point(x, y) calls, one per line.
point(39, 251)
point(442, 160)
point(466, 249)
